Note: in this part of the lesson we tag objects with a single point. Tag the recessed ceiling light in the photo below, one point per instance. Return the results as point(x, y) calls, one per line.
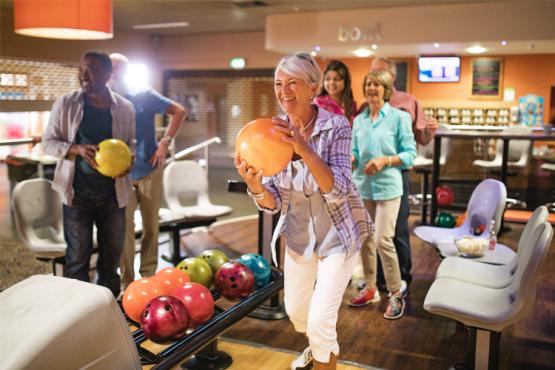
point(313, 53)
point(362, 52)
point(374, 46)
point(504, 42)
point(160, 25)
point(237, 63)
point(476, 49)
point(436, 45)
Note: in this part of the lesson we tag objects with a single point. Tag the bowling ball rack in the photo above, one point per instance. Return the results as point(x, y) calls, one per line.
point(202, 341)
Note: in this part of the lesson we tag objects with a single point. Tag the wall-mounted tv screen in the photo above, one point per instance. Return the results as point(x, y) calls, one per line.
point(439, 69)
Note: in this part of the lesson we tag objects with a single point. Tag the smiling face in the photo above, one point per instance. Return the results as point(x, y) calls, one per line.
point(374, 91)
point(92, 76)
point(293, 94)
point(334, 84)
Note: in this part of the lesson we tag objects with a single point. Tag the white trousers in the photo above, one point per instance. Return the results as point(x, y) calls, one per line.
point(313, 291)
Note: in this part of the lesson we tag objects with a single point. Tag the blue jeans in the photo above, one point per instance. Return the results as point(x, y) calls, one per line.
point(402, 236)
point(78, 233)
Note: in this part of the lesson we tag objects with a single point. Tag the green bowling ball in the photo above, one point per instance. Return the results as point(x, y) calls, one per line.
point(198, 270)
point(445, 220)
point(214, 258)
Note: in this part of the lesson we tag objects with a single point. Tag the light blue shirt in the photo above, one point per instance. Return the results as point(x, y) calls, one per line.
point(389, 135)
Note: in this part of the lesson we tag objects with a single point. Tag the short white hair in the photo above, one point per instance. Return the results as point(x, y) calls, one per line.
point(302, 66)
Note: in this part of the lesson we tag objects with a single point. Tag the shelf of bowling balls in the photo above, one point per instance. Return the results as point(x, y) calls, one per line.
point(165, 356)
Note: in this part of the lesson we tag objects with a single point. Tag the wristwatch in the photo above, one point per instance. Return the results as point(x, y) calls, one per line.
point(167, 139)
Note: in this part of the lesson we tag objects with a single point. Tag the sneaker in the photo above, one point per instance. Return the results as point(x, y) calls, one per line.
point(365, 297)
point(304, 361)
point(395, 308)
point(404, 290)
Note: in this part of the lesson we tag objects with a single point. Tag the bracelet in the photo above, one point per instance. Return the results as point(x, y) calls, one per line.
point(255, 195)
point(167, 139)
point(388, 161)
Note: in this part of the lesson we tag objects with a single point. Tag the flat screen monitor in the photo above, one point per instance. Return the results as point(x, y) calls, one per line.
point(439, 69)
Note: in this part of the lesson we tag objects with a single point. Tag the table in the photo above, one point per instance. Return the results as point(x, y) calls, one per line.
point(470, 136)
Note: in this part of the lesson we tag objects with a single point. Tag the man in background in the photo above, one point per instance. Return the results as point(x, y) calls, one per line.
point(147, 171)
point(78, 122)
point(424, 131)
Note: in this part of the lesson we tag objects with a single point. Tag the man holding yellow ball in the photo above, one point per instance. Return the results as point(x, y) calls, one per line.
point(78, 123)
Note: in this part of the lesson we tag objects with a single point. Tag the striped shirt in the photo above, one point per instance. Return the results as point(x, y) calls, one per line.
point(331, 140)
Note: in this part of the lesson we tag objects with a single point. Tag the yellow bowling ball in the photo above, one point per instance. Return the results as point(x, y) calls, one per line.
point(113, 157)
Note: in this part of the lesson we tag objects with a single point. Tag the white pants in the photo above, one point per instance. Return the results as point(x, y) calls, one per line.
point(313, 291)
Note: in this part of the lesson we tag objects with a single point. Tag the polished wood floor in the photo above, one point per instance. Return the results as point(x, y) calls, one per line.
point(418, 340)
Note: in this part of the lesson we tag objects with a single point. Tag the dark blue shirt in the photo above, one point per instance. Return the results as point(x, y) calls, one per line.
point(147, 104)
point(95, 126)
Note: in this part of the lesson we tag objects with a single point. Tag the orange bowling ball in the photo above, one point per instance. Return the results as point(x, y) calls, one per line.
point(113, 157)
point(260, 145)
point(169, 279)
point(137, 295)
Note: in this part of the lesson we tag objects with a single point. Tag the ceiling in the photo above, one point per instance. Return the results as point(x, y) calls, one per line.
point(228, 16)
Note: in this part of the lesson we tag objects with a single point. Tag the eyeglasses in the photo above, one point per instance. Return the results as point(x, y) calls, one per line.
point(304, 56)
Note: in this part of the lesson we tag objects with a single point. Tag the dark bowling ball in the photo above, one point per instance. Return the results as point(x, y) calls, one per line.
point(234, 280)
point(259, 267)
point(164, 318)
point(198, 301)
point(445, 220)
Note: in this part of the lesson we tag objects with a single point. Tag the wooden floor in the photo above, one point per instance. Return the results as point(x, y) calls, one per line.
point(416, 341)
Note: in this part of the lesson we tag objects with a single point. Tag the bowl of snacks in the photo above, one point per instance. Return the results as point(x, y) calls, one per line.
point(470, 246)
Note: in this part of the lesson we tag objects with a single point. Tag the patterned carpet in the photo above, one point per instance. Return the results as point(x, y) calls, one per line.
point(17, 262)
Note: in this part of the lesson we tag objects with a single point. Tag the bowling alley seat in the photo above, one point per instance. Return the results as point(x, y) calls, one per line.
point(186, 191)
point(486, 203)
point(423, 165)
point(493, 276)
point(59, 323)
point(487, 311)
point(551, 168)
point(519, 153)
point(37, 211)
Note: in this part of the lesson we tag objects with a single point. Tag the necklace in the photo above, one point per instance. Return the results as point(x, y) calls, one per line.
point(309, 123)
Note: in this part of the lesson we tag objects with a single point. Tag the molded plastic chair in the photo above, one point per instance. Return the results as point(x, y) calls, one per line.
point(519, 150)
point(550, 167)
point(59, 323)
point(493, 276)
point(487, 311)
point(186, 191)
point(37, 210)
point(487, 202)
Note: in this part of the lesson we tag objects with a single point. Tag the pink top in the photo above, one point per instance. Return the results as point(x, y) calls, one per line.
point(408, 103)
point(326, 102)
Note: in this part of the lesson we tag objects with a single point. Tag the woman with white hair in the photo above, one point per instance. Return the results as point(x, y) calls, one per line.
point(323, 219)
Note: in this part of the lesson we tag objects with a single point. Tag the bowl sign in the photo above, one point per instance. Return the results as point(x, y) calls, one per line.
point(371, 33)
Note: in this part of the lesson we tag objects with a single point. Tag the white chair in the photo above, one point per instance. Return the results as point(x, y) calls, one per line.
point(493, 276)
point(186, 191)
point(550, 167)
point(519, 150)
point(37, 211)
point(487, 311)
point(59, 323)
point(487, 202)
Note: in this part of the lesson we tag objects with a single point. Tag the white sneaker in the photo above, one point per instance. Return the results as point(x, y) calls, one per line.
point(304, 361)
point(404, 291)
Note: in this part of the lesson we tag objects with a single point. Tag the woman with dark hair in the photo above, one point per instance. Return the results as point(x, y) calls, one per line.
point(336, 95)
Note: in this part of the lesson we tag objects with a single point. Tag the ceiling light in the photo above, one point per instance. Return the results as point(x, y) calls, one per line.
point(476, 49)
point(313, 53)
point(68, 19)
point(436, 45)
point(504, 42)
point(362, 52)
point(237, 63)
point(160, 25)
point(374, 47)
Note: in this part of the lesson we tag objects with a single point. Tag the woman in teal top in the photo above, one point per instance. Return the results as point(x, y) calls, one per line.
point(383, 144)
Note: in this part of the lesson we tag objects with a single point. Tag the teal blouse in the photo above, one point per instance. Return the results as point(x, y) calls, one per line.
point(389, 135)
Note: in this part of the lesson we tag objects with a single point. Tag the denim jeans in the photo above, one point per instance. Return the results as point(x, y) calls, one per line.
point(78, 233)
point(402, 236)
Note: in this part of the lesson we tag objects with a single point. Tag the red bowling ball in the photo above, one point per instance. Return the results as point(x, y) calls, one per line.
point(198, 301)
point(234, 280)
point(164, 318)
point(445, 196)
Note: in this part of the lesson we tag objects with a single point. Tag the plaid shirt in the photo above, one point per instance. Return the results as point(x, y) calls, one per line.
point(331, 140)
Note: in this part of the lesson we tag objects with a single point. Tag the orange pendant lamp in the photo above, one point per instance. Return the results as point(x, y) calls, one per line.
point(64, 19)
